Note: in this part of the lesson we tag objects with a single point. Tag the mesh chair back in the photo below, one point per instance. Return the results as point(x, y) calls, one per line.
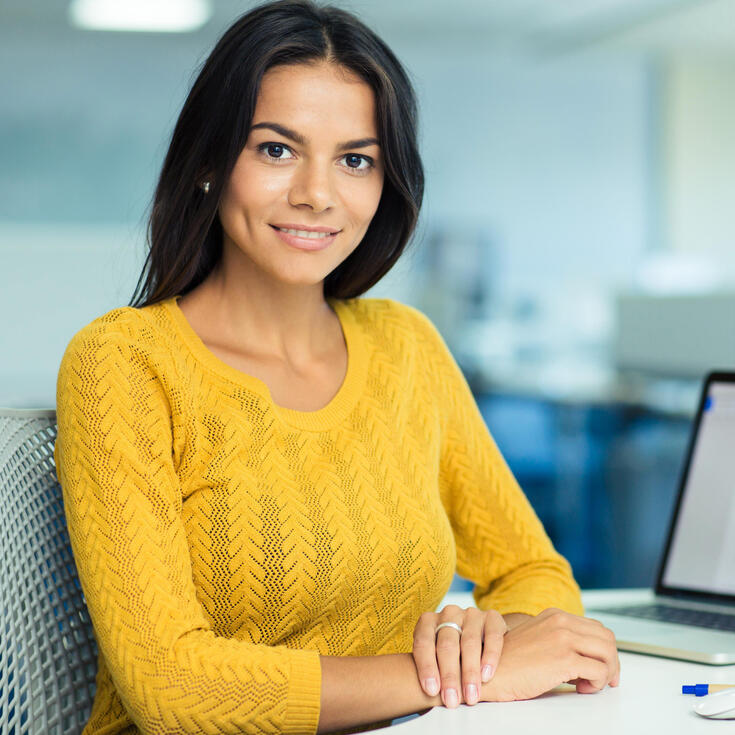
point(48, 654)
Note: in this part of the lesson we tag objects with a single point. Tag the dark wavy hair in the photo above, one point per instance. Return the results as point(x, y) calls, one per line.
point(184, 231)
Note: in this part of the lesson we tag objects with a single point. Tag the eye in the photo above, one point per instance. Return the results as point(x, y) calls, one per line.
point(275, 151)
point(358, 162)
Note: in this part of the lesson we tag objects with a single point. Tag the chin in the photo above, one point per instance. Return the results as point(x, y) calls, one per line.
point(304, 276)
point(302, 280)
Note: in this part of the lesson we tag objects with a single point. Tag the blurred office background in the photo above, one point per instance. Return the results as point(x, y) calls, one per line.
point(576, 249)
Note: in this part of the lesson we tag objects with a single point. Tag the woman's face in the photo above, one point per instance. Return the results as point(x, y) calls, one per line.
point(308, 181)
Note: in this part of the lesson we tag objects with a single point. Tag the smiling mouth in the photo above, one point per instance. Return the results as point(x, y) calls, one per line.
point(309, 234)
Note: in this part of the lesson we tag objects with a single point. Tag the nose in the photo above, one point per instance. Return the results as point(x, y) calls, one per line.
point(313, 186)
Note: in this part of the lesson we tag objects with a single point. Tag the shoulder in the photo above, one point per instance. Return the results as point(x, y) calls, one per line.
point(120, 362)
point(381, 313)
point(123, 324)
point(397, 321)
point(119, 333)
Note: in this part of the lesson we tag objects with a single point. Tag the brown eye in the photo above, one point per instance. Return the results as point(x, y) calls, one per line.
point(275, 151)
point(358, 162)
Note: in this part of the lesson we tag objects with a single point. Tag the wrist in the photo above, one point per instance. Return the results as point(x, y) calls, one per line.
point(428, 699)
point(495, 690)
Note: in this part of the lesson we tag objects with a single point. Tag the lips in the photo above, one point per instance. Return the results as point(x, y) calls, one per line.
point(309, 239)
point(309, 234)
point(309, 231)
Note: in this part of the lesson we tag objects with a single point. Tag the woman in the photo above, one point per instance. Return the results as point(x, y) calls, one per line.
point(269, 482)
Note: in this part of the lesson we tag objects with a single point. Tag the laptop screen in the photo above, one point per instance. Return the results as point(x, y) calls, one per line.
point(702, 548)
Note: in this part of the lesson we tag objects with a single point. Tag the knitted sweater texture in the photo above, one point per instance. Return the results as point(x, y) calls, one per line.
point(224, 542)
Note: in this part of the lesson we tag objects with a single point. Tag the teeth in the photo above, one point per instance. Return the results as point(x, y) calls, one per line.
point(306, 233)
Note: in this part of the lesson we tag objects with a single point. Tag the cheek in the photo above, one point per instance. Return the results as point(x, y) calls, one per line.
point(377, 194)
point(364, 200)
point(252, 192)
point(267, 184)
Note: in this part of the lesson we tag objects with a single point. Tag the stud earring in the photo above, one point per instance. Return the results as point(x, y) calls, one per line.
point(204, 186)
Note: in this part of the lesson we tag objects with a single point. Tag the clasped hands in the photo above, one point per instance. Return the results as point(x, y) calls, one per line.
point(488, 661)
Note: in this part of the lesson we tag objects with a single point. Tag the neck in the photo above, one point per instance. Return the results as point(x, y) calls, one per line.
point(270, 318)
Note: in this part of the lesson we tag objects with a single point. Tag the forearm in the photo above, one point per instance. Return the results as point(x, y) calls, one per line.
point(358, 690)
point(532, 587)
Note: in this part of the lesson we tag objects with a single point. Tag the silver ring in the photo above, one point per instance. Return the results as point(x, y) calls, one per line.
point(457, 627)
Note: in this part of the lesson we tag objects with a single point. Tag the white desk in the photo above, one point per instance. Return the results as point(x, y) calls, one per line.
point(648, 700)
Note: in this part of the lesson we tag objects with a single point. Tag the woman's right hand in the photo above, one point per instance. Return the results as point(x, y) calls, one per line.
point(552, 648)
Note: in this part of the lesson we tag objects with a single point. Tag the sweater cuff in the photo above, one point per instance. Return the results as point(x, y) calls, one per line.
point(304, 693)
point(532, 604)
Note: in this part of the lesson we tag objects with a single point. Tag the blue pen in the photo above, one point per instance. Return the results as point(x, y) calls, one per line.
point(701, 690)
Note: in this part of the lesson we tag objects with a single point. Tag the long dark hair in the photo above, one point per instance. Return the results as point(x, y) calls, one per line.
point(184, 231)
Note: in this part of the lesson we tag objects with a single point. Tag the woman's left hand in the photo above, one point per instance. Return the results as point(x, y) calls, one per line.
point(437, 654)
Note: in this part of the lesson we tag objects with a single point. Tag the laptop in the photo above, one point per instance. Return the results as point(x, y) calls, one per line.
point(690, 614)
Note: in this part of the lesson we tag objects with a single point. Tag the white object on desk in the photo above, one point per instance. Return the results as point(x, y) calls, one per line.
point(718, 706)
point(648, 700)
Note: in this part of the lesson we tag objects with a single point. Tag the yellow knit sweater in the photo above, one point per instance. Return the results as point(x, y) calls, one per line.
point(224, 542)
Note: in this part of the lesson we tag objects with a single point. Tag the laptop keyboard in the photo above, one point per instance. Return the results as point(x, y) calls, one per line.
point(683, 616)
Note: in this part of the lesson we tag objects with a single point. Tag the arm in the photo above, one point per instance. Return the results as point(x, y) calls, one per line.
point(123, 504)
point(501, 544)
point(503, 548)
point(364, 689)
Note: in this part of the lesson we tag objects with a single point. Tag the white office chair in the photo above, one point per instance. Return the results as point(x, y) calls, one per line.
point(48, 654)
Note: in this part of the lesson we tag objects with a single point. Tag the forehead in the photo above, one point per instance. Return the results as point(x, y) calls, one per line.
point(317, 98)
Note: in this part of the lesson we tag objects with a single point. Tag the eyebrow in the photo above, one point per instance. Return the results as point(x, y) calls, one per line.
point(298, 138)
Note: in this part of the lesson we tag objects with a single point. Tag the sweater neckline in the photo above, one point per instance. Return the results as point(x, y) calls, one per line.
point(332, 413)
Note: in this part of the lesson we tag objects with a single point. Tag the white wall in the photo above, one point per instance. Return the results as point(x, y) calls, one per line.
point(700, 157)
point(55, 279)
point(544, 158)
point(548, 156)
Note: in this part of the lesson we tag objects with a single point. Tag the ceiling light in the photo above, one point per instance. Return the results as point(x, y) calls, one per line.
point(162, 16)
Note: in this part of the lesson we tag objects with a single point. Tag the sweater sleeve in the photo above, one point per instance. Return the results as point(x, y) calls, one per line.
point(123, 504)
point(501, 544)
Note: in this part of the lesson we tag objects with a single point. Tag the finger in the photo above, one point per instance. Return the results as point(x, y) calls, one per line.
point(599, 634)
point(447, 655)
point(583, 686)
point(591, 665)
point(590, 675)
point(616, 679)
point(451, 613)
point(586, 687)
point(608, 635)
point(494, 637)
point(599, 641)
point(595, 627)
point(595, 649)
point(424, 653)
point(471, 647)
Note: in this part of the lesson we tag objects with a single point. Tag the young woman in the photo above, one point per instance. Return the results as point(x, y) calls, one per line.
point(270, 482)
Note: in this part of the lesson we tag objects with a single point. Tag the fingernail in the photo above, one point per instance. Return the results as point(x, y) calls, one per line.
point(450, 698)
point(431, 686)
point(487, 672)
point(471, 694)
